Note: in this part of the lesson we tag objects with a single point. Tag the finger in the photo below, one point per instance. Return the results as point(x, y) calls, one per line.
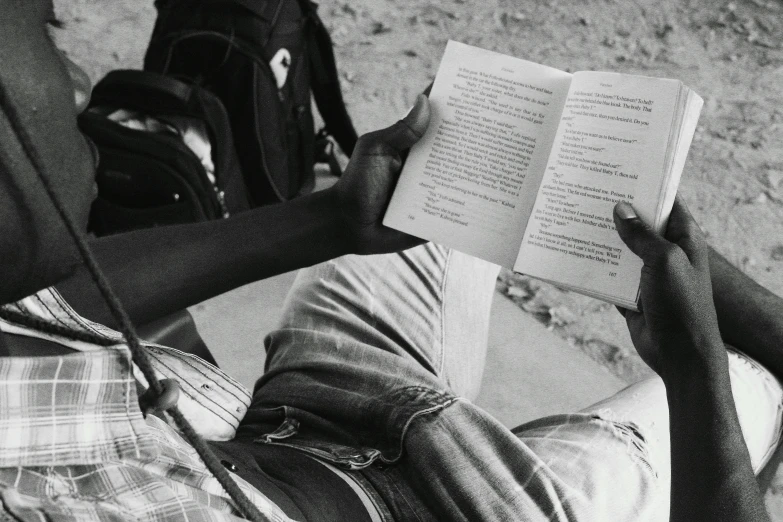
point(627, 312)
point(683, 230)
point(407, 131)
point(426, 92)
point(640, 238)
point(631, 316)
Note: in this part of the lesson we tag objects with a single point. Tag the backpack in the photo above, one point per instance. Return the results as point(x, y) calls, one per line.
point(265, 60)
point(152, 177)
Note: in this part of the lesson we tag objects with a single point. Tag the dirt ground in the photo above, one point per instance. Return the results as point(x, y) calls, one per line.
point(729, 52)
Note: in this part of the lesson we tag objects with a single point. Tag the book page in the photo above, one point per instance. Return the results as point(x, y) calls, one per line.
point(471, 181)
point(611, 145)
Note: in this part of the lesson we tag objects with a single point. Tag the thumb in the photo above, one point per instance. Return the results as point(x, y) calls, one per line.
point(640, 238)
point(407, 131)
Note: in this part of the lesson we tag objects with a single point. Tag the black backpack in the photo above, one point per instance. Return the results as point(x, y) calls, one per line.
point(261, 58)
point(148, 179)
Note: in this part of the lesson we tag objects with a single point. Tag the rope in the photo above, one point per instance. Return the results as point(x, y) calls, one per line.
point(126, 326)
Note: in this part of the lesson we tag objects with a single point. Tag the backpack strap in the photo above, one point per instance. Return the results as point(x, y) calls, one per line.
point(257, 7)
point(149, 82)
point(326, 82)
point(145, 91)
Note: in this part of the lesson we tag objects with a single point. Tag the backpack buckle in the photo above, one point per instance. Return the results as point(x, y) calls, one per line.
point(325, 152)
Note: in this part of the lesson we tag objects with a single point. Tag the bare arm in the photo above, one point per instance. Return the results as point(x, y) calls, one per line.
point(707, 447)
point(750, 317)
point(158, 271)
point(676, 332)
point(712, 478)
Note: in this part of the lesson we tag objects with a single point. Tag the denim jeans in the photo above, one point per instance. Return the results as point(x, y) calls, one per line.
point(374, 367)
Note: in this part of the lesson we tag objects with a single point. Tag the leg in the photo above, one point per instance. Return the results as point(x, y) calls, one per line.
point(427, 304)
point(607, 462)
point(758, 397)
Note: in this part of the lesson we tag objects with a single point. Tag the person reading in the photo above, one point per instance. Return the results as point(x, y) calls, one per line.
point(363, 410)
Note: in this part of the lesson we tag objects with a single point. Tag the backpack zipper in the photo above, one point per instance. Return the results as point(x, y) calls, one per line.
point(221, 199)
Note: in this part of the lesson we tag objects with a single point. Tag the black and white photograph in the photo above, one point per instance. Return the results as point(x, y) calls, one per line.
point(391, 261)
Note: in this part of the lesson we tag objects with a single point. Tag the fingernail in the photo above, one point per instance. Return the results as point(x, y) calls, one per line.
point(625, 210)
point(412, 110)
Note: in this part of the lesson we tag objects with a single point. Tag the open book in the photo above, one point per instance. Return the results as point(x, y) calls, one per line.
point(522, 165)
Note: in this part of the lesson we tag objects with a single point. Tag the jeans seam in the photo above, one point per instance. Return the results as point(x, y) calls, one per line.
point(442, 363)
point(447, 401)
point(372, 494)
point(400, 495)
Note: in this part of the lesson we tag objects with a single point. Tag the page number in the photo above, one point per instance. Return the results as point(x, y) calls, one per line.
point(612, 274)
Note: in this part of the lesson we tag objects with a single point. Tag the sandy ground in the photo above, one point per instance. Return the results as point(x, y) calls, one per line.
point(729, 52)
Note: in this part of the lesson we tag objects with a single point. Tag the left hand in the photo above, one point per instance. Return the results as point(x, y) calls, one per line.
point(364, 190)
point(677, 323)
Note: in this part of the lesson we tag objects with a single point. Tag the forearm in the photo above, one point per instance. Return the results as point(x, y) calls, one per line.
point(158, 271)
point(712, 478)
point(750, 316)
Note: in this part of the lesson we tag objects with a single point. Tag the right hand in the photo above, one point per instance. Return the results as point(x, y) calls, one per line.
point(365, 189)
point(677, 323)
